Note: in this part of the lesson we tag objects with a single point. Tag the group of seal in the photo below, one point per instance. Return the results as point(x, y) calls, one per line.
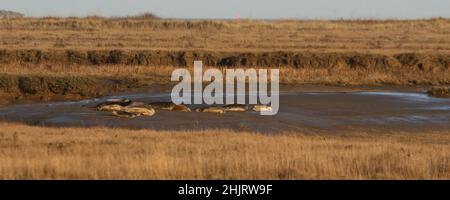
point(170, 106)
point(234, 108)
point(126, 108)
point(131, 109)
point(224, 109)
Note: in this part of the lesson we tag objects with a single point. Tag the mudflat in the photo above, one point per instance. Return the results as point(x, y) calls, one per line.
point(324, 110)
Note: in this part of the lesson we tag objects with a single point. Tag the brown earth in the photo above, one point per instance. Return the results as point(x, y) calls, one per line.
point(19, 88)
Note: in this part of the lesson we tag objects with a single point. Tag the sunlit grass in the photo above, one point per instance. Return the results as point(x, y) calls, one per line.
point(103, 153)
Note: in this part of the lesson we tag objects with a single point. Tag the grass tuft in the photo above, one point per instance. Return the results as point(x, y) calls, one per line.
point(439, 91)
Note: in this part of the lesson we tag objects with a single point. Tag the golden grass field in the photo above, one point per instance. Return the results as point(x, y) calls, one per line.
point(371, 36)
point(102, 153)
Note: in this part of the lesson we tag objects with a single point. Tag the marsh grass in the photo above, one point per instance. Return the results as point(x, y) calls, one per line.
point(102, 153)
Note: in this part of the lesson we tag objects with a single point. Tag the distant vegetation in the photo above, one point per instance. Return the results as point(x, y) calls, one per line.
point(10, 14)
point(146, 15)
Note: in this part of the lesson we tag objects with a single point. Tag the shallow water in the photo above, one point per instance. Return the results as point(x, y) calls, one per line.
point(299, 111)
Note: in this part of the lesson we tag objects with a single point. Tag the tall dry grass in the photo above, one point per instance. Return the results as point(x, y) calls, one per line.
point(101, 153)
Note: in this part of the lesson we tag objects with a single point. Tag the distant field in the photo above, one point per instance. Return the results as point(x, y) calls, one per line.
point(364, 36)
point(102, 153)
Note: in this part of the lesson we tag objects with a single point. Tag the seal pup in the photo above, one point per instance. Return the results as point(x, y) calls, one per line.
point(144, 111)
point(181, 108)
point(125, 114)
point(163, 105)
point(212, 109)
point(262, 108)
point(235, 108)
point(113, 102)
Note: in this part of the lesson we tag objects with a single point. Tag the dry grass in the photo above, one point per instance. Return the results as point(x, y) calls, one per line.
point(102, 153)
point(371, 36)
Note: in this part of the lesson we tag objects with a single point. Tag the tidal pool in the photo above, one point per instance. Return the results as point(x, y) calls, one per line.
point(299, 111)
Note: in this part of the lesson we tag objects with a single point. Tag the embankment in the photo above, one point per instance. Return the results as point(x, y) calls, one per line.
point(115, 70)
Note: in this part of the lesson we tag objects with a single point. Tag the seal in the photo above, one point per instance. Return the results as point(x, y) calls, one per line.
point(212, 109)
point(262, 108)
point(163, 105)
point(144, 111)
point(124, 114)
point(113, 103)
point(181, 108)
point(112, 107)
point(235, 108)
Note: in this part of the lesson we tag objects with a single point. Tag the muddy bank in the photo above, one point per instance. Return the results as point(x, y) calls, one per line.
point(21, 88)
point(17, 89)
point(405, 61)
